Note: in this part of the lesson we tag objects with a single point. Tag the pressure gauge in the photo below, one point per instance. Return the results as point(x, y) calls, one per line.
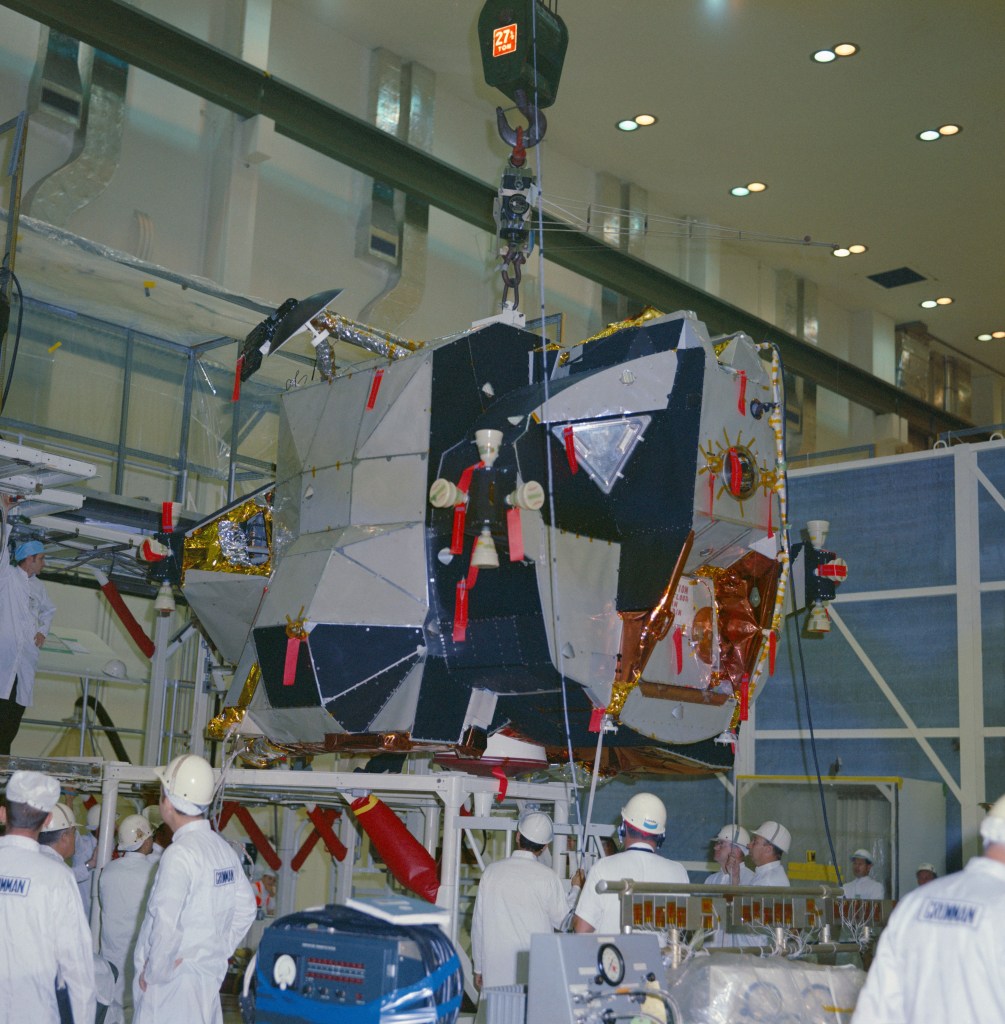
point(284, 971)
point(610, 964)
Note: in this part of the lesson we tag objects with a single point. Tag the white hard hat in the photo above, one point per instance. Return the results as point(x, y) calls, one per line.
point(927, 867)
point(862, 855)
point(36, 789)
point(536, 827)
point(62, 817)
point(94, 817)
point(115, 668)
point(735, 834)
point(777, 835)
point(188, 777)
point(993, 826)
point(134, 830)
point(646, 813)
point(153, 814)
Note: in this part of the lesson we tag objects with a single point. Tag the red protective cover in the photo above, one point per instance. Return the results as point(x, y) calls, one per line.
point(406, 858)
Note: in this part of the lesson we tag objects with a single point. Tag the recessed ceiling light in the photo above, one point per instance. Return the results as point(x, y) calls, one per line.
point(824, 56)
point(998, 335)
point(944, 300)
point(984, 337)
point(858, 249)
point(846, 49)
point(928, 304)
point(931, 134)
point(841, 252)
point(628, 125)
point(645, 119)
point(740, 190)
point(756, 186)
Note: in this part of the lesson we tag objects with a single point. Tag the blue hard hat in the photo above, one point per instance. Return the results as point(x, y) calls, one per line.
point(27, 549)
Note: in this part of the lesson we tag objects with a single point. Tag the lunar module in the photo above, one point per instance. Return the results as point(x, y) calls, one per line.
point(497, 536)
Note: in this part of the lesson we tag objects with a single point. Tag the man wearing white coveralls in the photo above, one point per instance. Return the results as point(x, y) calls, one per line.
point(25, 617)
point(942, 956)
point(44, 937)
point(123, 890)
point(200, 907)
point(517, 897)
point(642, 831)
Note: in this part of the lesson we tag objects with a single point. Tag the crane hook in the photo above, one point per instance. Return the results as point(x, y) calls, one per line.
point(537, 124)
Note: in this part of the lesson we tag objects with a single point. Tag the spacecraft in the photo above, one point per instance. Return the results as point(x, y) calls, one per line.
point(497, 537)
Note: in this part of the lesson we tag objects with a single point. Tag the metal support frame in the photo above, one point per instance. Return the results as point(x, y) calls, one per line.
point(969, 643)
point(972, 732)
point(146, 42)
point(200, 701)
point(815, 909)
point(153, 739)
point(181, 481)
point(445, 791)
point(127, 378)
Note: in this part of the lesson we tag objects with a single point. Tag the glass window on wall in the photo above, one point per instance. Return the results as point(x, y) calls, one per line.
point(156, 396)
point(68, 376)
point(158, 420)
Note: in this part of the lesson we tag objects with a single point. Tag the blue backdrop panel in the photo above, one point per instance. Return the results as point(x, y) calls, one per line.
point(993, 658)
point(696, 809)
point(900, 639)
point(991, 462)
point(893, 523)
point(994, 766)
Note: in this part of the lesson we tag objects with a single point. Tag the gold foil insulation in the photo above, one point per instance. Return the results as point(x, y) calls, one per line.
point(647, 314)
point(370, 339)
point(222, 545)
point(619, 694)
point(260, 752)
point(222, 724)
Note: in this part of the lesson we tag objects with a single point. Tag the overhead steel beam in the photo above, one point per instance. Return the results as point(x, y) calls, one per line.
point(184, 60)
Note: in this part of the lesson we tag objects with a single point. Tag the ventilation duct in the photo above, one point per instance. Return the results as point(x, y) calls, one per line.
point(79, 92)
point(394, 227)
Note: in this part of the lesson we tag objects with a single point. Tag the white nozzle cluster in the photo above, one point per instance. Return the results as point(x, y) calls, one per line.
point(818, 529)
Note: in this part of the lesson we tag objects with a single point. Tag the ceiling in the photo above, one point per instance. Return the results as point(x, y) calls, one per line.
point(739, 99)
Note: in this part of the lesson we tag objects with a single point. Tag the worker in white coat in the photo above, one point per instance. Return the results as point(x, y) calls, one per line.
point(161, 834)
point(85, 855)
point(729, 848)
point(25, 617)
point(58, 837)
point(58, 840)
point(123, 888)
point(862, 885)
point(44, 937)
point(517, 897)
point(642, 832)
point(200, 907)
point(941, 957)
point(768, 844)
